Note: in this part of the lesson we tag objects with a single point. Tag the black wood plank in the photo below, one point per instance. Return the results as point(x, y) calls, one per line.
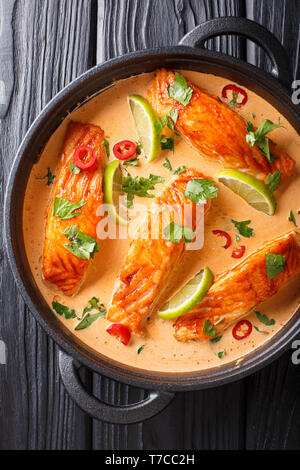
point(273, 399)
point(202, 420)
point(282, 17)
point(52, 40)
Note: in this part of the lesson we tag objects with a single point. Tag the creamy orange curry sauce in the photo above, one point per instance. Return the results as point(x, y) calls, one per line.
point(110, 110)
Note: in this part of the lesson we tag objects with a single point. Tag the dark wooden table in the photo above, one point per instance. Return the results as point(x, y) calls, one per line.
point(54, 42)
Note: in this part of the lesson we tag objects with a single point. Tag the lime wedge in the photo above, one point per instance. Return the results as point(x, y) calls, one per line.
point(254, 192)
point(144, 119)
point(112, 190)
point(188, 296)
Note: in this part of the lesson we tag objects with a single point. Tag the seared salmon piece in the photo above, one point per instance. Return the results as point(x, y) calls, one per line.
point(237, 291)
point(217, 131)
point(150, 261)
point(60, 267)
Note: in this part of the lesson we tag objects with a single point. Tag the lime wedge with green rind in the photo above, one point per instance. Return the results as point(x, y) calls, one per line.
point(188, 296)
point(253, 191)
point(112, 180)
point(145, 119)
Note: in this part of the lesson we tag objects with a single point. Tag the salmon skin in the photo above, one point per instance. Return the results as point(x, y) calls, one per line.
point(60, 267)
point(215, 130)
point(235, 292)
point(149, 262)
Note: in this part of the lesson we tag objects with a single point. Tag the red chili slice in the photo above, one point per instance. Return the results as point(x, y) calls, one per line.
point(238, 91)
point(242, 329)
point(239, 252)
point(85, 158)
point(122, 332)
point(125, 150)
point(222, 233)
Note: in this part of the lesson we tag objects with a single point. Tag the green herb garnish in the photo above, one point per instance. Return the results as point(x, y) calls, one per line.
point(49, 176)
point(167, 164)
point(139, 148)
point(173, 115)
point(260, 331)
point(88, 320)
point(140, 349)
point(174, 233)
point(74, 169)
point(273, 180)
point(208, 329)
point(169, 120)
point(234, 102)
point(94, 305)
point(216, 339)
point(82, 246)
point(292, 218)
point(139, 186)
point(259, 137)
point(179, 170)
point(243, 229)
point(264, 319)
point(221, 354)
point(180, 91)
point(105, 143)
point(64, 209)
point(63, 310)
point(275, 264)
point(199, 190)
point(219, 321)
point(160, 124)
point(134, 162)
point(167, 143)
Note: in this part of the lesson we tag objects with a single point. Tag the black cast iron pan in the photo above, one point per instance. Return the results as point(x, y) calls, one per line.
point(188, 55)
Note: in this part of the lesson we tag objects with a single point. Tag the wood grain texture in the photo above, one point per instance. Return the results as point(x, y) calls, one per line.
point(273, 393)
point(282, 18)
point(51, 48)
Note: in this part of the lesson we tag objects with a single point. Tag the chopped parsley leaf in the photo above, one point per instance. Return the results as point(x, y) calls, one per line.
point(243, 229)
point(273, 180)
point(74, 169)
point(134, 162)
point(199, 190)
point(216, 339)
point(82, 246)
point(221, 354)
point(106, 145)
point(140, 349)
point(49, 176)
point(292, 218)
point(260, 331)
point(208, 329)
point(174, 233)
point(275, 264)
point(139, 186)
point(259, 137)
point(63, 310)
point(180, 91)
point(64, 209)
point(264, 319)
point(179, 170)
point(167, 164)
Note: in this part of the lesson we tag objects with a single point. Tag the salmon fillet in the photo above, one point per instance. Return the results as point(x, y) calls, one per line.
point(149, 262)
point(235, 292)
point(217, 131)
point(60, 267)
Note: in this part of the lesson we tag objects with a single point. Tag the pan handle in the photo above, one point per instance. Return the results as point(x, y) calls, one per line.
point(145, 409)
point(249, 30)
